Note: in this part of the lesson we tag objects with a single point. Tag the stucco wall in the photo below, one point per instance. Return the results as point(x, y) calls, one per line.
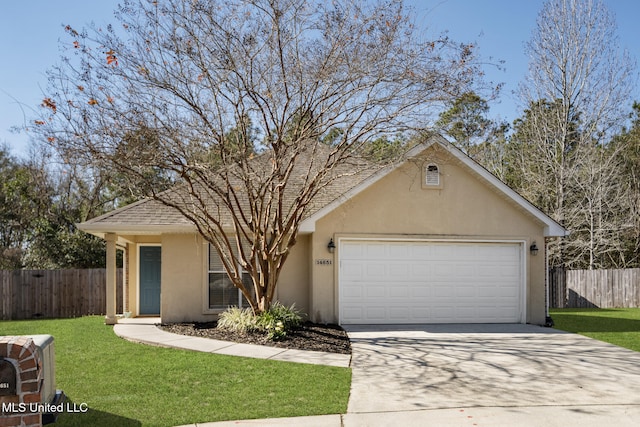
point(399, 206)
point(293, 286)
point(183, 279)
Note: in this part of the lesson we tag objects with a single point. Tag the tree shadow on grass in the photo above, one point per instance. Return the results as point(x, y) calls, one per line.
point(79, 415)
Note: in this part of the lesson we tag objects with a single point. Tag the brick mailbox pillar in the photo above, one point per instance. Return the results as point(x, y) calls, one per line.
point(21, 379)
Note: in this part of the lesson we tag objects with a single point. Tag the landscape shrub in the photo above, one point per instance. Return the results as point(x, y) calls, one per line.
point(238, 320)
point(276, 322)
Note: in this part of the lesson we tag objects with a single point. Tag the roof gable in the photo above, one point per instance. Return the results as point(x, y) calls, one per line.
point(551, 227)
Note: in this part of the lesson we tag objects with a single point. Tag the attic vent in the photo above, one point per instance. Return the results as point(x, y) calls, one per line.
point(432, 175)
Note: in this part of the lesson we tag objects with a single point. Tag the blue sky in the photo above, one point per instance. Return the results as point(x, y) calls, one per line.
point(30, 30)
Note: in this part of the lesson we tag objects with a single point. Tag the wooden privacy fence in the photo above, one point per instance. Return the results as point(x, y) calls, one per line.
point(594, 288)
point(28, 294)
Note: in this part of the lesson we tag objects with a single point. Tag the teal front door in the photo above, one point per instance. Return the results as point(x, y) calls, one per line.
point(150, 267)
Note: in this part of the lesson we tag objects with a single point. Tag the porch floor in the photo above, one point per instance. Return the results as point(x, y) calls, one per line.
point(145, 320)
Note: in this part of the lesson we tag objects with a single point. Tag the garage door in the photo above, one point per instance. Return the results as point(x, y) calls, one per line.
point(430, 282)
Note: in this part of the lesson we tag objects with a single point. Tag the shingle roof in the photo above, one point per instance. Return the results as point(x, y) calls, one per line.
point(142, 212)
point(152, 216)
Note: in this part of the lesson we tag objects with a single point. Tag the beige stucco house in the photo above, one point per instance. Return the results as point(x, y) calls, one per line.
point(433, 239)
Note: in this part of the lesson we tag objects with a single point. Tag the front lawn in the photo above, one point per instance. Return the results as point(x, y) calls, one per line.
point(129, 384)
point(619, 326)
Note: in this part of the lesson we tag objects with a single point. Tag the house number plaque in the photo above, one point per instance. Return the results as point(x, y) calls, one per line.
point(324, 262)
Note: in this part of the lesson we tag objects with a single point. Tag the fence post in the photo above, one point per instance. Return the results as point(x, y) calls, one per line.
point(6, 292)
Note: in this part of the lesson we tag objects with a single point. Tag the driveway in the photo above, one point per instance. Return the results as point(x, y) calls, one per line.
point(489, 375)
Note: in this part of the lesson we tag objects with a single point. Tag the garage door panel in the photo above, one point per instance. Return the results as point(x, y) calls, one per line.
point(465, 292)
point(420, 270)
point(442, 290)
point(419, 312)
point(488, 292)
point(509, 272)
point(376, 314)
point(400, 271)
point(441, 314)
point(352, 250)
point(398, 251)
point(419, 252)
point(375, 251)
point(471, 314)
point(352, 314)
point(421, 291)
point(507, 292)
point(484, 271)
point(429, 282)
point(399, 291)
point(442, 270)
point(397, 314)
point(374, 271)
point(441, 253)
point(375, 292)
point(352, 292)
point(351, 271)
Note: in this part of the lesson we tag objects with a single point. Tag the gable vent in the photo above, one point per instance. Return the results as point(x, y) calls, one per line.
point(432, 175)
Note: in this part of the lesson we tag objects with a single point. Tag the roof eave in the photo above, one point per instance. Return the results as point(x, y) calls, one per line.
point(101, 229)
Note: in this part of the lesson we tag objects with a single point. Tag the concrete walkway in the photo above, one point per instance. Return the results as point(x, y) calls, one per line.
point(523, 416)
point(144, 330)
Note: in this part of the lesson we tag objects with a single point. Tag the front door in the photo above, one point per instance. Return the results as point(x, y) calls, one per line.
point(150, 267)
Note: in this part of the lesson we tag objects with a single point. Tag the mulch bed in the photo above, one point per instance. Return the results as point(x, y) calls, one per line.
point(310, 336)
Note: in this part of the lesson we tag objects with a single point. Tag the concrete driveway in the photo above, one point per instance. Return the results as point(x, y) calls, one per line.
point(489, 375)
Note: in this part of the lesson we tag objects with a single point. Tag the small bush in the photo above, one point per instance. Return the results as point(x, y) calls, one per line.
point(237, 320)
point(279, 320)
point(276, 322)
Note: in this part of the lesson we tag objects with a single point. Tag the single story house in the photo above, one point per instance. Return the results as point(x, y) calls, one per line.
point(435, 238)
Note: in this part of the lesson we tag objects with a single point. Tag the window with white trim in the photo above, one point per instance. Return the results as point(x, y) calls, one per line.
point(222, 293)
point(432, 175)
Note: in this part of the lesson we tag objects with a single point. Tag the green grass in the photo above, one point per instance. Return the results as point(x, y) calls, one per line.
point(619, 326)
point(129, 384)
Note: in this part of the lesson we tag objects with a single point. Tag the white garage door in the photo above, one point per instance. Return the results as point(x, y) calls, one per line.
point(430, 282)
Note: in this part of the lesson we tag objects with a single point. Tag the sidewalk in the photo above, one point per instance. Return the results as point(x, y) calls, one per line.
point(143, 330)
point(523, 416)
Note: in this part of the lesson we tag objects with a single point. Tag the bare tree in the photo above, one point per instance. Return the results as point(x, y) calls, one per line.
point(254, 107)
point(627, 144)
point(577, 88)
point(599, 210)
